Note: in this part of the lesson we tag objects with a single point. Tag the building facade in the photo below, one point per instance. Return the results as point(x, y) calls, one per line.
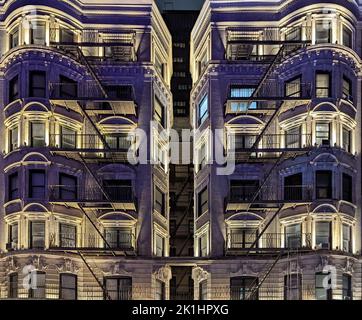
point(279, 81)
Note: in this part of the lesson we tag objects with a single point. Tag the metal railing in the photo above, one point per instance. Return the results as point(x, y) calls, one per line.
point(88, 142)
point(295, 193)
point(238, 241)
point(76, 193)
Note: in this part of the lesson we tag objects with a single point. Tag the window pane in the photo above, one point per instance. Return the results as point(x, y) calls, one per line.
point(14, 38)
point(322, 133)
point(14, 235)
point(323, 235)
point(37, 134)
point(323, 184)
point(14, 89)
point(293, 88)
point(69, 138)
point(37, 236)
point(347, 37)
point(293, 137)
point(347, 238)
point(202, 110)
point(37, 184)
point(37, 84)
point(67, 236)
point(323, 31)
point(13, 286)
point(68, 289)
point(322, 85)
point(37, 33)
point(13, 186)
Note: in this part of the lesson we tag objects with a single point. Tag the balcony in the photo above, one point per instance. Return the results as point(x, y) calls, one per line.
point(242, 196)
point(94, 197)
point(239, 243)
point(262, 44)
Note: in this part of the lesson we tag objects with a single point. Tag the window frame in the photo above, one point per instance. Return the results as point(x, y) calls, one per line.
point(328, 292)
point(33, 139)
point(294, 94)
point(330, 31)
point(324, 89)
point(31, 186)
point(203, 103)
point(68, 238)
point(157, 204)
point(33, 87)
point(13, 290)
point(11, 188)
point(328, 187)
point(201, 205)
point(72, 289)
point(14, 89)
point(31, 234)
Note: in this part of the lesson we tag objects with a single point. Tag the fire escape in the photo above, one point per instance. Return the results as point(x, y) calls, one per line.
point(267, 48)
point(94, 100)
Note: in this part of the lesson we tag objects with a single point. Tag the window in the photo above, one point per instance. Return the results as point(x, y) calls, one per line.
point(160, 243)
point(14, 38)
point(39, 292)
point(159, 201)
point(37, 184)
point(68, 88)
point(67, 187)
point(347, 287)
point(14, 93)
point(118, 141)
point(243, 288)
point(293, 287)
point(203, 252)
point(120, 238)
point(37, 33)
point(244, 141)
point(118, 190)
point(14, 235)
point(160, 66)
point(37, 84)
point(37, 235)
point(13, 139)
point(323, 133)
point(67, 236)
point(13, 286)
point(202, 157)
point(293, 187)
point(37, 134)
point(347, 188)
point(119, 288)
point(322, 280)
point(202, 62)
point(203, 290)
point(243, 190)
point(202, 198)
point(202, 110)
point(347, 37)
point(293, 138)
point(293, 236)
point(323, 32)
point(323, 234)
point(323, 85)
point(68, 287)
point(323, 184)
point(347, 89)
point(347, 238)
point(160, 290)
point(68, 138)
point(160, 113)
point(346, 139)
point(66, 36)
point(293, 34)
point(13, 186)
point(293, 88)
point(237, 92)
point(243, 238)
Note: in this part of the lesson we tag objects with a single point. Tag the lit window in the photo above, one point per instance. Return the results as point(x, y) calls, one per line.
point(323, 234)
point(347, 37)
point(323, 184)
point(37, 134)
point(37, 235)
point(322, 279)
point(37, 184)
point(13, 139)
point(293, 88)
point(323, 32)
point(323, 133)
point(202, 110)
point(293, 236)
point(347, 238)
point(67, 236)
point(37, 33)
point(323, 85)
point(237, 92)
point(68, 138)
point(243, 238)
point(37, 84)
point(293, 287)
point(203, 199)
point(68, 287)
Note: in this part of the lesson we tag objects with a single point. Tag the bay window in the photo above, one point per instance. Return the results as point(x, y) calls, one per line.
point(322, 133)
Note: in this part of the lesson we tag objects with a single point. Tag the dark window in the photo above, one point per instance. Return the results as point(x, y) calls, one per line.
point(347, 287)
point(66, 36)
point(68, 87)
point(202, 157)
point(13, 186)
point(14, 235)
point(37, 184)
point(347, 188)
point(14, 92)
point(37, 235)
point(322, 279)
point(243, 190)
point(14, 38)
point(37, 290)
point(120, 93)
point(118, 190)
point(347, 92)
point(13, 138)
point(347, 238)
point(323, 32)
point(293, 138)
point(68, 286)
point(203, 290)
point(243, 238)
point(347, 37)
point(120, 238)
point(293, 187)
point(293, 88)
point(323, 232)
point(202, 199)
point(293, 236)
point(293, 287)
point(37, 134)
point(37, 33)
point(118, 141)
point(160, 113)
point(323, 184)
point(13, 286)
point(203, 240)
point(160, 290)
point(160, 245)
point(159, 201)
point(202, 110)
point(119, 288)
point(239, 91)
point(67, 187)
point(347, 137)
point(323, 85)
point(244, 288)
point(244, 141)
point(323, 133)
point(67, 236)
point(37, 84)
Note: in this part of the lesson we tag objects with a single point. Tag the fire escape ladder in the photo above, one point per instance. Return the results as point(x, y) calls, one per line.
point(182, 278)
point(187, 180)
point(184, 215)
point(99, 282)
point(184, 244)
